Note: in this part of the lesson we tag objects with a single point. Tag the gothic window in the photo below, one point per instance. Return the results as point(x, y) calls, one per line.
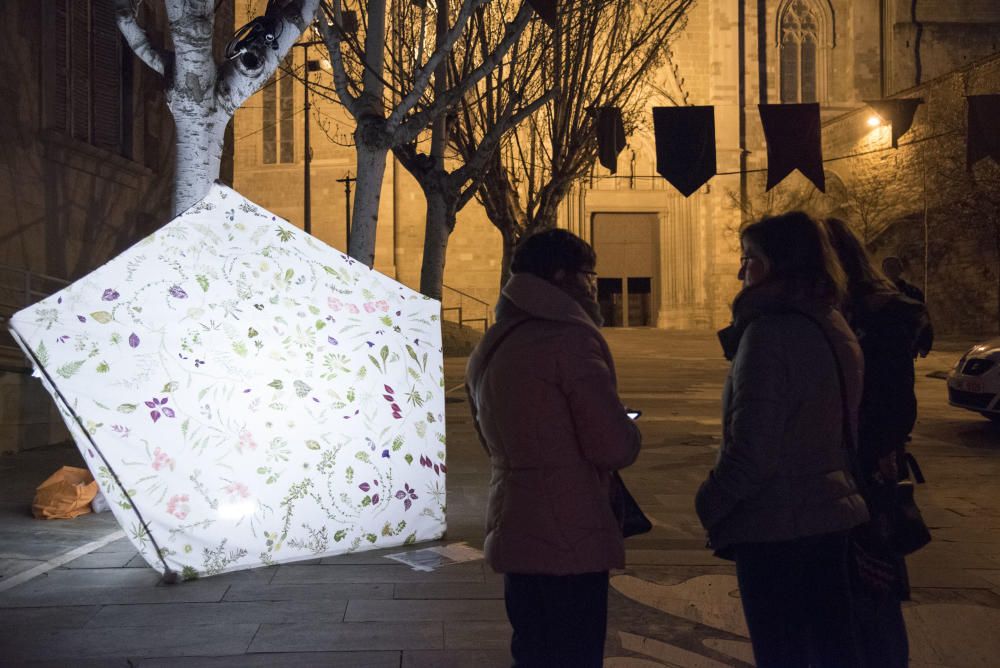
point(278, 123)
point(799, 40)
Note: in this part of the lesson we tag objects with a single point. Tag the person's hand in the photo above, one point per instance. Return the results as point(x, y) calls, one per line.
point(888, 468)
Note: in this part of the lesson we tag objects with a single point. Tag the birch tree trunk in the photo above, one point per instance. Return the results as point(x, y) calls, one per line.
point(203, 96)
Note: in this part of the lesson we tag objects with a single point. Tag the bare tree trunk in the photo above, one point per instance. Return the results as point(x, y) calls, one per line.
point(371, 170)
point(199, 143)
point(509, 243)
point(440, 223)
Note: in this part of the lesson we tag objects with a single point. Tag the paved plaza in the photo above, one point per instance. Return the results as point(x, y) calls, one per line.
point(75, 592)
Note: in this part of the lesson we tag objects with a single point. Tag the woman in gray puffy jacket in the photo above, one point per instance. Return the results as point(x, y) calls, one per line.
point(780, 499)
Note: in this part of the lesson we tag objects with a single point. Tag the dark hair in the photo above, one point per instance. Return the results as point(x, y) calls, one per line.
point(862, 276)
point(549, 251)
point(799, 255)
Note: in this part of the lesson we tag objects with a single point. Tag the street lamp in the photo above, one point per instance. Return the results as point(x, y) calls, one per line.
point(310, 66)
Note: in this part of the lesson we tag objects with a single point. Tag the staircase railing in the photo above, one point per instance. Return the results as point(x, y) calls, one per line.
point(463, 308)
point(20, 288)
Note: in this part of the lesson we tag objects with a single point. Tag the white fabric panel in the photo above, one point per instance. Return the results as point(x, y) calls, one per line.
point(252, 394)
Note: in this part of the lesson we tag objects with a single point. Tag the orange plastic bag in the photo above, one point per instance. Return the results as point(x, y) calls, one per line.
point(66, 494)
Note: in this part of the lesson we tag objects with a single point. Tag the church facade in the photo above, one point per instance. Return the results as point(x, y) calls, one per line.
point(663, 260)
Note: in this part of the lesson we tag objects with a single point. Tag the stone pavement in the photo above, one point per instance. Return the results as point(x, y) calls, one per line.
point(675, 604)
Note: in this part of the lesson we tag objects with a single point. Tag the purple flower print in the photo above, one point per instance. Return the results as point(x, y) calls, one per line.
point(81, 318)
point(160, 404)
point(408, 495)
point(133, 340)
point(177, 292)
point(110, 295)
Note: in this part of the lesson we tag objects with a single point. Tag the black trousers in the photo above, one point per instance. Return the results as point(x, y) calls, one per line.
point(558, 620)
point(881, 631)
point(797, 602)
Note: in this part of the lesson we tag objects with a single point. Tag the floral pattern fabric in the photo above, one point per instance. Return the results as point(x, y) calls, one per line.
point(245, 394)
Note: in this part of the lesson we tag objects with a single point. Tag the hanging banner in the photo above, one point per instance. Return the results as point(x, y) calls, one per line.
point(898, 113)
point(794, 142)
point(685, 146)
point(246, 395)
point(610, 136)
point(546, 10)
point(984, 131)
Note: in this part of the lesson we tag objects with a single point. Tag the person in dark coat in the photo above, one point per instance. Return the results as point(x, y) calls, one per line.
point(892, 267)
point(780, 499)
point(888, 325)
point(544, 400)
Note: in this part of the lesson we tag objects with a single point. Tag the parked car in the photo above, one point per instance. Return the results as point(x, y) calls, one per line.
point(974, 381)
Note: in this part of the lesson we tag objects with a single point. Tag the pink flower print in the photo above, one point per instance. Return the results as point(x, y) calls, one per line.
point(408, 495)
point(382, 305)
point(334, 303)
point(246, 441)
point(369, 307)
point(110, 295)
point(352, 309)
point(162, 460)
point(178, 506)
point(159, 406)
point(237, 490)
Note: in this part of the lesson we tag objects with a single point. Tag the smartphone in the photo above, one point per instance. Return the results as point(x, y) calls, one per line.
point(632, 413)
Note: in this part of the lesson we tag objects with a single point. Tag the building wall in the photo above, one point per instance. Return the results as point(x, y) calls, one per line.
point(928, 171)
point(729, 57)
point(71, 201)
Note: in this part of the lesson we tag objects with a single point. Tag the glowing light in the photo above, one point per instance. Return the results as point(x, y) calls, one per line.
point(235, 511)
point(874, 121)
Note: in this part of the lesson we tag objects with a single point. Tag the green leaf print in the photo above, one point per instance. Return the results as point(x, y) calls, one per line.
point(171, 386)
point(67, 370)
point(276, 384)
point(102, 317)
point(240, 348)
point(203, 282)
point(103, 367)
point(301, 389)
point(411, 539)
point(340, 535)
point(312, 445)
point(126, 408)
point(384, 353)
point(43, 354)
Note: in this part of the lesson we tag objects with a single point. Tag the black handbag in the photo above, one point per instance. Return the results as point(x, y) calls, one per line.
point(907, 530)
point(630, 516)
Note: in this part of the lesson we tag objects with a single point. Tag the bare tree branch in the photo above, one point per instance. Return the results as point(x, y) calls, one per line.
point(423, 75)
point(135, 35)
point(235, 83)
point(418, 121)
point(332, 39)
